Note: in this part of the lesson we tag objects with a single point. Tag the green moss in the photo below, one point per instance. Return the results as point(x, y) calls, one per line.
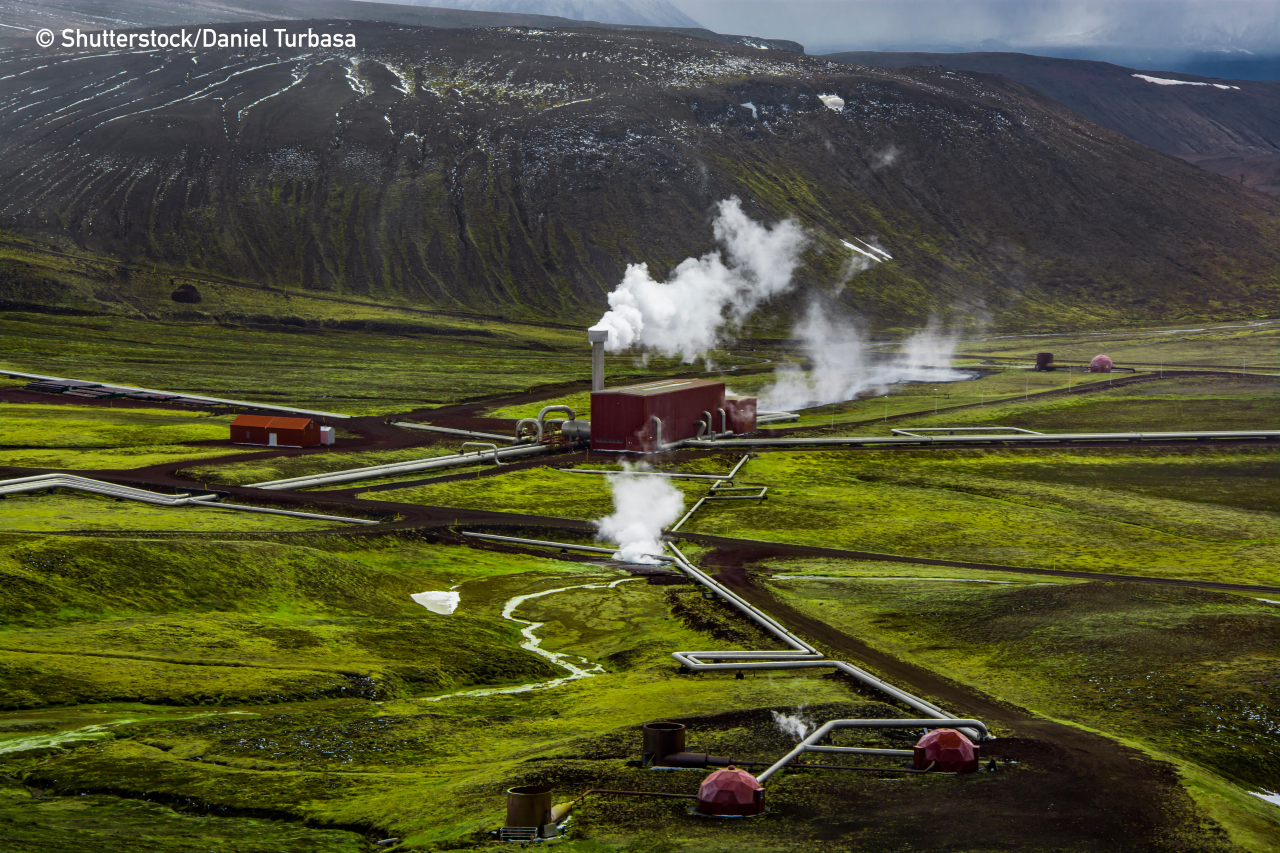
point(33, 823)
point(284, 467)
point(1181, 672)
point(1098, 510)
point(38, 512)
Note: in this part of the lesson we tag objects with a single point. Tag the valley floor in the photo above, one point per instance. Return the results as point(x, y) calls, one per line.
point(187, 679)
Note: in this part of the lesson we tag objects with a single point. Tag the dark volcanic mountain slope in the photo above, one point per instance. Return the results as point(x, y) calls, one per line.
point(517, 172)
point(21, 18)
point(1231, 127)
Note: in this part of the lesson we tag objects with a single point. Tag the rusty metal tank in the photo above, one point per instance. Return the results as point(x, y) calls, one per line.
point(661, 740)
point(528, 806)
point(1044, 361)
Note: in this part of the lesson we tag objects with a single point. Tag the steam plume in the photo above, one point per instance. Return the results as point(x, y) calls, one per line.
point(684, 315)
point(642, 507)
point(842, 369)
point(795, 726)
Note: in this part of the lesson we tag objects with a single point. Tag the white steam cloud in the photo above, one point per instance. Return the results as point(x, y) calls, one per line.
point(842, 368)
point(684, 315)
point(642, 507)
point(795, 726)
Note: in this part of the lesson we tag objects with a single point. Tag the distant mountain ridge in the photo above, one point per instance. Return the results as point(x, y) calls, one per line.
point(650, 13)
point(1231, 127)
point(23, 17)
point(516, 172)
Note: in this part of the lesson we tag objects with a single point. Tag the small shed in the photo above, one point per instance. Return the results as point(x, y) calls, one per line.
point(269, 431)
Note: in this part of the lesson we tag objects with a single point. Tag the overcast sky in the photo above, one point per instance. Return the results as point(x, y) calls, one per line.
point(915, 24)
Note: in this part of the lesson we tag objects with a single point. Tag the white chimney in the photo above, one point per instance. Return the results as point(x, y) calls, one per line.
point(597, 338)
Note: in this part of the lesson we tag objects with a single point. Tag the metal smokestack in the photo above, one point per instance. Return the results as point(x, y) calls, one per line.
point(597, 338)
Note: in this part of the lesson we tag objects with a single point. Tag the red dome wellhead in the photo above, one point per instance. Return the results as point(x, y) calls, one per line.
point(730, 792)
point(946, 751)
point(1100, 364)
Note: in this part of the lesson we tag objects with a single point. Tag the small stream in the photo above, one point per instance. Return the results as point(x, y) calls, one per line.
point(533, 644)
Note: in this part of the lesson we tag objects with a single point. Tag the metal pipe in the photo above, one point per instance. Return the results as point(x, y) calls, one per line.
point(724, 423)
point(598, 338)
point(591, 548)
point(201, 501)
point(542, 415)
point(809, 744)
point(707, 420)
point(112, 490)
point(686, 516)
point(859, 750)
point(466, 444)
point(802, 656)
point(914, 430)
point(738, 467)
point(389, 470)
point(537, 427)
point(857, 441)
point(193, 397)
point(677, 476)
point(451, 431)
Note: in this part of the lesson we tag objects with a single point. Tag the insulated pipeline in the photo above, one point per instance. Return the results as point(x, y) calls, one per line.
point(800, 656)
point(389, 470)
point(111, 490)
point(987, 438)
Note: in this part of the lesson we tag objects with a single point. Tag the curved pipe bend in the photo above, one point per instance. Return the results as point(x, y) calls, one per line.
point(542, 415)
point(529, 422)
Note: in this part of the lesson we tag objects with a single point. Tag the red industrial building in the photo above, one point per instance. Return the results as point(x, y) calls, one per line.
point(641, 417)
point(271, 431)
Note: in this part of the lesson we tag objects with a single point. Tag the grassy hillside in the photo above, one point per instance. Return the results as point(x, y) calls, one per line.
point(501, 173)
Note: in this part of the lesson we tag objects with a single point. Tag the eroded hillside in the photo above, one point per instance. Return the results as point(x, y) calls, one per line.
point(516, 172)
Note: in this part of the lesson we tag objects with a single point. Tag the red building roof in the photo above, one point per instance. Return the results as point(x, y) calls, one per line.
point(270, 422)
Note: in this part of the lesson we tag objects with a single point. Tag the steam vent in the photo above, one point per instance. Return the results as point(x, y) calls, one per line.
point(730, 793)
point(946, 751)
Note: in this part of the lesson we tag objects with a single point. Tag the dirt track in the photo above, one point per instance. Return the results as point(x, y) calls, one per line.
point(1072, 787)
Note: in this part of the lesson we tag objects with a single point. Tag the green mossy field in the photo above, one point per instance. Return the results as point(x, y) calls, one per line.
point(1186, 673)
point(1209, 514)
point(36, 512)
point(64, 436)
point(285, 467)
point(334, 364)
point(193, 679)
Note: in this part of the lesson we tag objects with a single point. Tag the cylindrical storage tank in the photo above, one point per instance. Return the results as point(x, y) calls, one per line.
point(1100, 364)
point(661, 740)
point(576, 429)
point(529, 806)
point(730, 793)
point(1044, 361)
point(947, 750)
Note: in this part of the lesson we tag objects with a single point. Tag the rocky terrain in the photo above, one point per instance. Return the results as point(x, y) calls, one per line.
point(1231, 127)
point(516, 171)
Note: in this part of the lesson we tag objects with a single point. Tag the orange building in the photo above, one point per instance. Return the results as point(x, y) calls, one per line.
point(271, 431)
